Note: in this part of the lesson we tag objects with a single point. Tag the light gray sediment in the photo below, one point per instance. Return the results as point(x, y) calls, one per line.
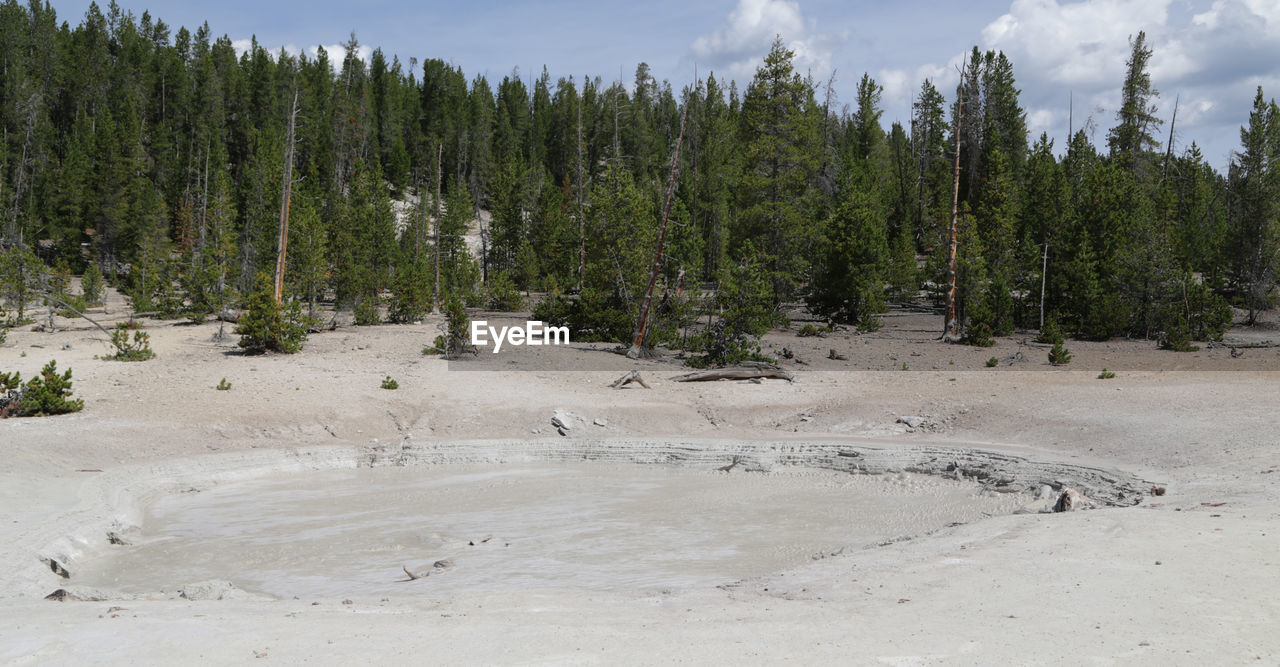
point(113, 501)
point(995, 470)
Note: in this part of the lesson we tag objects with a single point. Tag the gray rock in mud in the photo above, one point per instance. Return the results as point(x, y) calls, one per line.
point(563, 420)
point(214, 589)
point(912, 421)
point(1072, 500)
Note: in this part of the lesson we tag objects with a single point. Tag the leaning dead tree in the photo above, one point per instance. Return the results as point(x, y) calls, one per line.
point(637, 344)
point(951, 328)
point(285, 195)
point(435, 295)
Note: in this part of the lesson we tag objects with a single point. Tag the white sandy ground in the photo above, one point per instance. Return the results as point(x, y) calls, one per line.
point(1192, 577)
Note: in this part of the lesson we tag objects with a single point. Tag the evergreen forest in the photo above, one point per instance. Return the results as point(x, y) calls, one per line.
point(162, 162)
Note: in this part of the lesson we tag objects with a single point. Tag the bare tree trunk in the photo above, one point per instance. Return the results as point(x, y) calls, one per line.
point(582, 223)
point(204, 211)
point(20, 180)
point(285, 195)
point(1168, 154)
point(637, 344)
point(1044, 276)
point(435, 297)
point(950, 329)
point(419, 228)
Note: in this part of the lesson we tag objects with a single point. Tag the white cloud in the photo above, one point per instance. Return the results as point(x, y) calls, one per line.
point(901, 86)
point(1213, 60)
point(740, 45)
point(1078, 44)
point(335, 52)
point(338, 52)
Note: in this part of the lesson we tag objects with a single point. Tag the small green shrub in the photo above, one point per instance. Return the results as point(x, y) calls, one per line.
point(411, 293)
point(993, 362)
point(1059, 355)
point(390, 383)
point(10, 391)
point(1106, 375)
point(500, 294)
point(46, 394)
point(455, 337)
point(555, 308)
point(91, 285)
point(139, 349)
point(366, 312)
point(223, 385)
point(266, 326)
point(808, 330)
point(1177, 340)
point(1051, 334)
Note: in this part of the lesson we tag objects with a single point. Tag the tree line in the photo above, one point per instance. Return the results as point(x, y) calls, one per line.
point(159, 159)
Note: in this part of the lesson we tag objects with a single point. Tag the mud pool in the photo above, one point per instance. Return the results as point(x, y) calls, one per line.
point(342, 533)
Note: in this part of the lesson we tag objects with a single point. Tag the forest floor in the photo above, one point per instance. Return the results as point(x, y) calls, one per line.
point(1188, 577)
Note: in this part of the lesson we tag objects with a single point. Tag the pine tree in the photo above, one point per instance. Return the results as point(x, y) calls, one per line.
point(781, 141)
point(933, 169)
point(364, 241)
point(743, 311)
point(1133, 135)
point(1253, 240)
point(848, 286)
point(308, 271)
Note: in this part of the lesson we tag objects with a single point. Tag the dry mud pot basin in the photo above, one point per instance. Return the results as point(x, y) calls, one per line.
point(639, 517)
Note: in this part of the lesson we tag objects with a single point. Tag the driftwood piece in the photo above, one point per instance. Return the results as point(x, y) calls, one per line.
point(760, 364)
point(733, 374)
point(1257, 345)
point(633, 376)
point(732, 464)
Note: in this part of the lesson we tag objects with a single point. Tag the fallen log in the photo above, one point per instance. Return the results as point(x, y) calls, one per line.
point(733, 374)
point(1259, 345)
point(633, 376)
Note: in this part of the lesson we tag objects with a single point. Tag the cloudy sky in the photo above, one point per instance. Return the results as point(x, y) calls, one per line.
point(1209, 54)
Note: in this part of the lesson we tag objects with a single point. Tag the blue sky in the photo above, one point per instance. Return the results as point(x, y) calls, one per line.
point(1211, 54)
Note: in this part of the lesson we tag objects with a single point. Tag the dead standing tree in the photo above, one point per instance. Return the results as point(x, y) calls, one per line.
point(951, 328)
point(22, 182)
point(285, 195)
point(435, 294)
point(582, 223)
point(637, 344)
